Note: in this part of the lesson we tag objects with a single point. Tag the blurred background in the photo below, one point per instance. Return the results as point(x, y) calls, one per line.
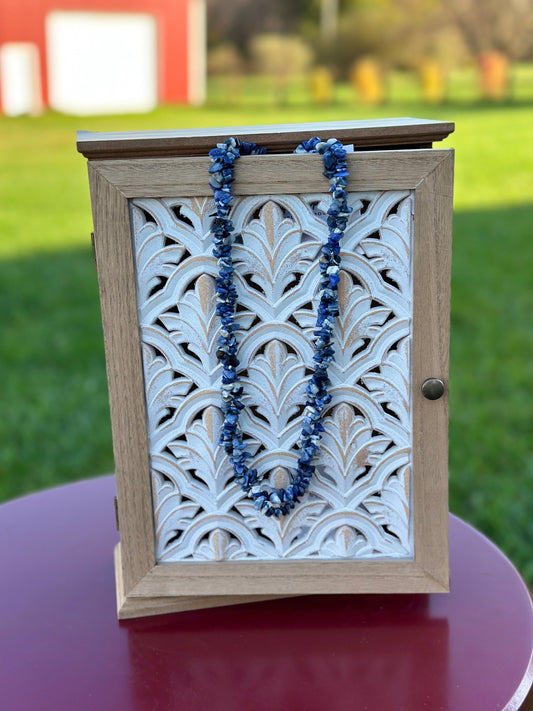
point(125, 65)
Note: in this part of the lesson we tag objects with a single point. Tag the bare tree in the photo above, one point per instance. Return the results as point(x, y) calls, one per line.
point(329, 19)
point(493, 25)
point(393, 30)
point(237, 21)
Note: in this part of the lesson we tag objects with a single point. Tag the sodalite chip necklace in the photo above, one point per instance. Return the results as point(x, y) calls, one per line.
point(269, 500)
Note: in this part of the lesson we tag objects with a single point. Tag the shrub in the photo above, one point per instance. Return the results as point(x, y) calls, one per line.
point(280, 55)
point(224, 59)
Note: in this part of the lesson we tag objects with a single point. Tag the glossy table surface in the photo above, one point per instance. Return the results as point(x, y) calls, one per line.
point(61, 647)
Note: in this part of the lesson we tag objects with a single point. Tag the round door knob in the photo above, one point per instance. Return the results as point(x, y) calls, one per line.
point(432, 388)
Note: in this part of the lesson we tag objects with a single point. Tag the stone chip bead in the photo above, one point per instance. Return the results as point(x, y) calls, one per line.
point(271, 501)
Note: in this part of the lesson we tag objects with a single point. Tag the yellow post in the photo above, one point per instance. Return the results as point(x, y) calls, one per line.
point(321, 85)
point(368, 81)
point(432, 80)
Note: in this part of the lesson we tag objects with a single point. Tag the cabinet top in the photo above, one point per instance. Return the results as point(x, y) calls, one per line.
point(278, 138)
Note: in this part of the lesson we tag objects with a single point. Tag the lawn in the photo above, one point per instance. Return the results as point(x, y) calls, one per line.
point(55, 422)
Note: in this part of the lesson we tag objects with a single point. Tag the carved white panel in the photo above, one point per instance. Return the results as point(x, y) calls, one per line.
point(358, 505)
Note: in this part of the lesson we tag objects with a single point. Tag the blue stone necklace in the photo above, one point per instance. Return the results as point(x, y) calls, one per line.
point(269, 500)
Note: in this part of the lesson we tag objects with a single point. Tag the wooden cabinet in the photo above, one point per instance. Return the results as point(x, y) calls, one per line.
point(375, 516)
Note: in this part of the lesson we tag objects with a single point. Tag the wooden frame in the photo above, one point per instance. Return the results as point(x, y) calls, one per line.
point(146, 587)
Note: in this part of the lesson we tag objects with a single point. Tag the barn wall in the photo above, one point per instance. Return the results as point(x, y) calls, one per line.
point(24, 21)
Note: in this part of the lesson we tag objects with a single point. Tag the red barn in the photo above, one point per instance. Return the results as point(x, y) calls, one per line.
point(100, 56)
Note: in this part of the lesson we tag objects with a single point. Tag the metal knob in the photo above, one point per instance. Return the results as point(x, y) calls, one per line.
point(432, 388)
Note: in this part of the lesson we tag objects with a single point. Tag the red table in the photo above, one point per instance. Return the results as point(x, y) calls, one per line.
point(62, 649)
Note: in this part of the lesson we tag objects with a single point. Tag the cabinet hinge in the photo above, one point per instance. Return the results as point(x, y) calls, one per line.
point(94, 250)
point(116, 513)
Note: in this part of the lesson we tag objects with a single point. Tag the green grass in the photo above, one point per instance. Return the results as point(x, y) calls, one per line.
point(55, 422)
point(491, 379)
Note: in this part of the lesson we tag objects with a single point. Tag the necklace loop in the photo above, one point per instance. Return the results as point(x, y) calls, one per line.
point(272, 501)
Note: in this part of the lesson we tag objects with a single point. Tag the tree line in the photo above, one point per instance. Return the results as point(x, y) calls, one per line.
point(394, 32)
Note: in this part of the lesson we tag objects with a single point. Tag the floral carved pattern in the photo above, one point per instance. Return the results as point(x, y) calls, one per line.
point(358, 505)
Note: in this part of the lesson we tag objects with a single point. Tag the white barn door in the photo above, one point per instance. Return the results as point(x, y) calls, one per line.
point(101, 63)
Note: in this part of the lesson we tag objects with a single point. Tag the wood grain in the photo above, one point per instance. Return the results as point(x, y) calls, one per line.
point(287, 577)
point(130, 607)
point(266, 175)
point(431, 319)
point(280, 138)
point(118, 301)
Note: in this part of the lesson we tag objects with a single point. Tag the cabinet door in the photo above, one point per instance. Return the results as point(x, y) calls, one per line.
point(375, 516)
